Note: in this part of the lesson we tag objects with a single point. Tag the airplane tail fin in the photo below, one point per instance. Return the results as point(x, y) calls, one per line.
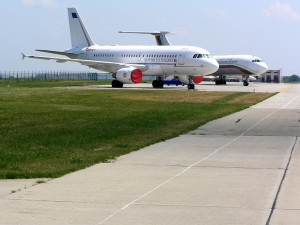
point(79, 34)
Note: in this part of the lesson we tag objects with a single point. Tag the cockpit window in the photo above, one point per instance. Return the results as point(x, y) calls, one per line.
point(257, 60)
point(202, 56)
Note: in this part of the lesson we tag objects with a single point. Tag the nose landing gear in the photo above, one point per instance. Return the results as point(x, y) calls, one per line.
point(246, 81)
point(191, 84)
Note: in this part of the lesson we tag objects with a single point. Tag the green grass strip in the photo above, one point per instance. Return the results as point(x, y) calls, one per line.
point(48, 132)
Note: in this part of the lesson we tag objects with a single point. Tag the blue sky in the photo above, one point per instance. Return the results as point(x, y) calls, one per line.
point(268, 29)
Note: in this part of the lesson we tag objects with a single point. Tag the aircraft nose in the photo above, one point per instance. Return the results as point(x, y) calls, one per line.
point(213, 65)
point(262, 68)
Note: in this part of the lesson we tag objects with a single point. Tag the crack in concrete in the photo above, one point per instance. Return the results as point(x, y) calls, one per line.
point(185, 205)
point(281, 182)
point(58, 201)
point(205, 166)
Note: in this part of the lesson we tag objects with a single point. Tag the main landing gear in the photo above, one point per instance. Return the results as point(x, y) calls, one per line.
point(116, 84)
point(220, 80)
point(158, 83)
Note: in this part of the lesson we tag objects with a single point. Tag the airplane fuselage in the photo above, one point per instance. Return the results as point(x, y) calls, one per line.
point(160, 60)
point(240, 65)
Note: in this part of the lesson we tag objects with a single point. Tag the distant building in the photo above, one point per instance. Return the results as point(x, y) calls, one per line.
point(271, 76)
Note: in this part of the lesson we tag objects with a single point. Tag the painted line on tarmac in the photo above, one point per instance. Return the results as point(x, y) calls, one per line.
point(290, 102)
point(287, 87)
point(186, 169)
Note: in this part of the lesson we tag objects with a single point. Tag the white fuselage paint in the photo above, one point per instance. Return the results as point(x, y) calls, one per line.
point(240, 65)
point(160, 60)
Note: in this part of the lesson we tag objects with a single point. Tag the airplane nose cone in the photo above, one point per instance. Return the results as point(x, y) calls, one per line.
point(213, 66)
point(262, 68)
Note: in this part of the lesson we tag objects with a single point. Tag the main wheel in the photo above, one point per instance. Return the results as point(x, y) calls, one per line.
point(116, 84)
point(160, 84)
point(157, 84)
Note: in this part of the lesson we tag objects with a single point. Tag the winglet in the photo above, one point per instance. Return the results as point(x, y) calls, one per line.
point(23, 56)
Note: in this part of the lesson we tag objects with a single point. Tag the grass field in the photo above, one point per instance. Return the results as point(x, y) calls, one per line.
point(48, 132)
point(49, 83)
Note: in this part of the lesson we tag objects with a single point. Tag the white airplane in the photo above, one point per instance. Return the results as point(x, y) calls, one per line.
point(129, 63)
point(241, 65)
point(245, 65)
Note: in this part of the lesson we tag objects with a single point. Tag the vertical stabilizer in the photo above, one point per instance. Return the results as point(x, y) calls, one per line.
point(161, 38)
point(79, 35)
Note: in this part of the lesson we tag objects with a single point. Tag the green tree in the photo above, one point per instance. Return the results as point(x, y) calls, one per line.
point(291, 79)
point(294, 78)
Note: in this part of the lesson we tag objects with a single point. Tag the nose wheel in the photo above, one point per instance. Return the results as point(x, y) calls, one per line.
point(191, 86)
point(246, 81)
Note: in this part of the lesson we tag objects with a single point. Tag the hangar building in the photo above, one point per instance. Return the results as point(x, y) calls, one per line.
point(271, 76)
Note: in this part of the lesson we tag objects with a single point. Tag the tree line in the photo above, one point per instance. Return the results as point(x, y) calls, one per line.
point(291, 79)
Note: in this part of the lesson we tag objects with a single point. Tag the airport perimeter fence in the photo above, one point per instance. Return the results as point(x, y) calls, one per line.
point(52, 75)
point(57, 75)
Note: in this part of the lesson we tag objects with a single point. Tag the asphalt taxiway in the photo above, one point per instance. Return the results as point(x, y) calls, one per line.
point(240, 169)
point(203, 86)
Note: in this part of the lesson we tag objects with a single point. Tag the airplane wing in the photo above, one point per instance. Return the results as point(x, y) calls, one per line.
point(70, 55)
point(112, 67)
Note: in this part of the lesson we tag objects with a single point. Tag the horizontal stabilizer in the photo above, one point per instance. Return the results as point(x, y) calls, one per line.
point(160, 36)
point(145, 32)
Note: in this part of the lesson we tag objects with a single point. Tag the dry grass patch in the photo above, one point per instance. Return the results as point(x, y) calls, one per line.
point(174, 96)
point(249, 98)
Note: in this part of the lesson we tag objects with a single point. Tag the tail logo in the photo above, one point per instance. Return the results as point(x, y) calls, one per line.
point(74, 15)
point(89, 50)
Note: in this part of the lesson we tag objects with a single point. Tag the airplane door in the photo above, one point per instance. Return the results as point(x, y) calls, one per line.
point(139, 57)
point(181, 57)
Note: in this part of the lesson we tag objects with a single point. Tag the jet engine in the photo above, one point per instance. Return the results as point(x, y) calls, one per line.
point(129, 75)
point(185, 79)
point(198, 79)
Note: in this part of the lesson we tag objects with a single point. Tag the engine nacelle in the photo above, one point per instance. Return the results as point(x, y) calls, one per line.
point(129, 75)
point(198, 79)
point(185, 79)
